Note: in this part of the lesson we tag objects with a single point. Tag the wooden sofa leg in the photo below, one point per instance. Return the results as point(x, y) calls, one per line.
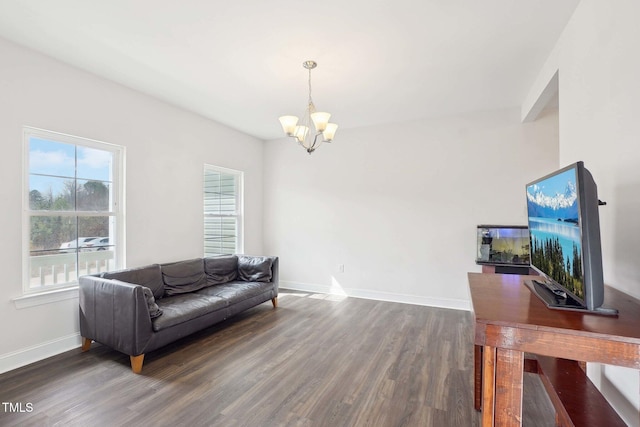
point(274, 301)
point(86, 343)
point(136, 363)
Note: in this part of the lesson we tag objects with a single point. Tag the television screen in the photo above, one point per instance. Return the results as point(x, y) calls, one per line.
point(554, 228)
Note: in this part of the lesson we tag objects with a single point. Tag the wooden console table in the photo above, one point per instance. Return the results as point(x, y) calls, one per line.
point(510, 320)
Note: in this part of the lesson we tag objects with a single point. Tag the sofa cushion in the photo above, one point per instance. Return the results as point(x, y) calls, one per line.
point(183, 276)
point(221, 269)
point(236, 291)
point(148, 276)
point(184, 307)
point(254, 268)
point(154, 310)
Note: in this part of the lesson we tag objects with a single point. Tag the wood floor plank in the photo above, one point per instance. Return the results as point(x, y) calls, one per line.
point(314, 361)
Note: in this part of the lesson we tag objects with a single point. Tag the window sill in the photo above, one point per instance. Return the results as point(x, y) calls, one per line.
point(40, 298)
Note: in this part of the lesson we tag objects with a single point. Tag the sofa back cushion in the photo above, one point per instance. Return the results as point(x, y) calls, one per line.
point(148, 276)
point(254, 268)
point(183, 276)
point(221, 269)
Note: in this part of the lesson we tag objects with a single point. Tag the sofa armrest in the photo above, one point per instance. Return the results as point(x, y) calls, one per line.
point(114, 313)
point(275, 273)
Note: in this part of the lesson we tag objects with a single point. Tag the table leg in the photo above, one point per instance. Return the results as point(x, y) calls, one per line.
point(509, 365)
point(477, 377)
point(488, 385)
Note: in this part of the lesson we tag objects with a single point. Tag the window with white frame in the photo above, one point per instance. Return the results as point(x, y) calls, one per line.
point(222, 211)
point(73, 209)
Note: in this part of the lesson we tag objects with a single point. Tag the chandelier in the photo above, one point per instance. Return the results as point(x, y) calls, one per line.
point(300, 130)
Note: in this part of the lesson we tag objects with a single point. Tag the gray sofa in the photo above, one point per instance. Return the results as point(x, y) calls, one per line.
point(138, 310)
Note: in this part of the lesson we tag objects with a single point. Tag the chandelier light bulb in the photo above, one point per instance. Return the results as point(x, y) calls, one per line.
point(289, 124)
point(301, 133)
point(320, 120)
point(329, 132)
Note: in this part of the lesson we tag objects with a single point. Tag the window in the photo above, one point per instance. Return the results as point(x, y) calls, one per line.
point(222, 211)
point(73, 217)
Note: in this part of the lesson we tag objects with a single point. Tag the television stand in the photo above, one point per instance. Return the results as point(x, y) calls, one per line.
point(567, 302)
point(509, 321)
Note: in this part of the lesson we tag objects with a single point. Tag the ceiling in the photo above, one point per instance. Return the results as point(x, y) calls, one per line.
point(240, 62)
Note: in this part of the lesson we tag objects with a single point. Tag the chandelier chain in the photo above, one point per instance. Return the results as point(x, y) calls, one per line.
point(310, 100)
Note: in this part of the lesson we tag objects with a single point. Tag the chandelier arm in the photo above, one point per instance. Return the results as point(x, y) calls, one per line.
point(316, 143)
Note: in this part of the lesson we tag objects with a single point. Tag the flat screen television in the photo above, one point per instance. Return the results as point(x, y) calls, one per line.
point(564, 234)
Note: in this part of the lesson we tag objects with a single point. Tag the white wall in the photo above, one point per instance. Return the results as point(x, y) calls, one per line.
point(398, 205)
point(599, 68)
point(165, 151)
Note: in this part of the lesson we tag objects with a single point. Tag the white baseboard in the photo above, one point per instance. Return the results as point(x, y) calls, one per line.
point(28, 355)
point(455, 304)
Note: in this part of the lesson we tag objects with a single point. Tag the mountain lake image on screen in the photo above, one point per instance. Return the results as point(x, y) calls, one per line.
point(552, 206)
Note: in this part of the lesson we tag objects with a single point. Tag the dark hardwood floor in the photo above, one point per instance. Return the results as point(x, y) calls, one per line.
point(317, 360)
